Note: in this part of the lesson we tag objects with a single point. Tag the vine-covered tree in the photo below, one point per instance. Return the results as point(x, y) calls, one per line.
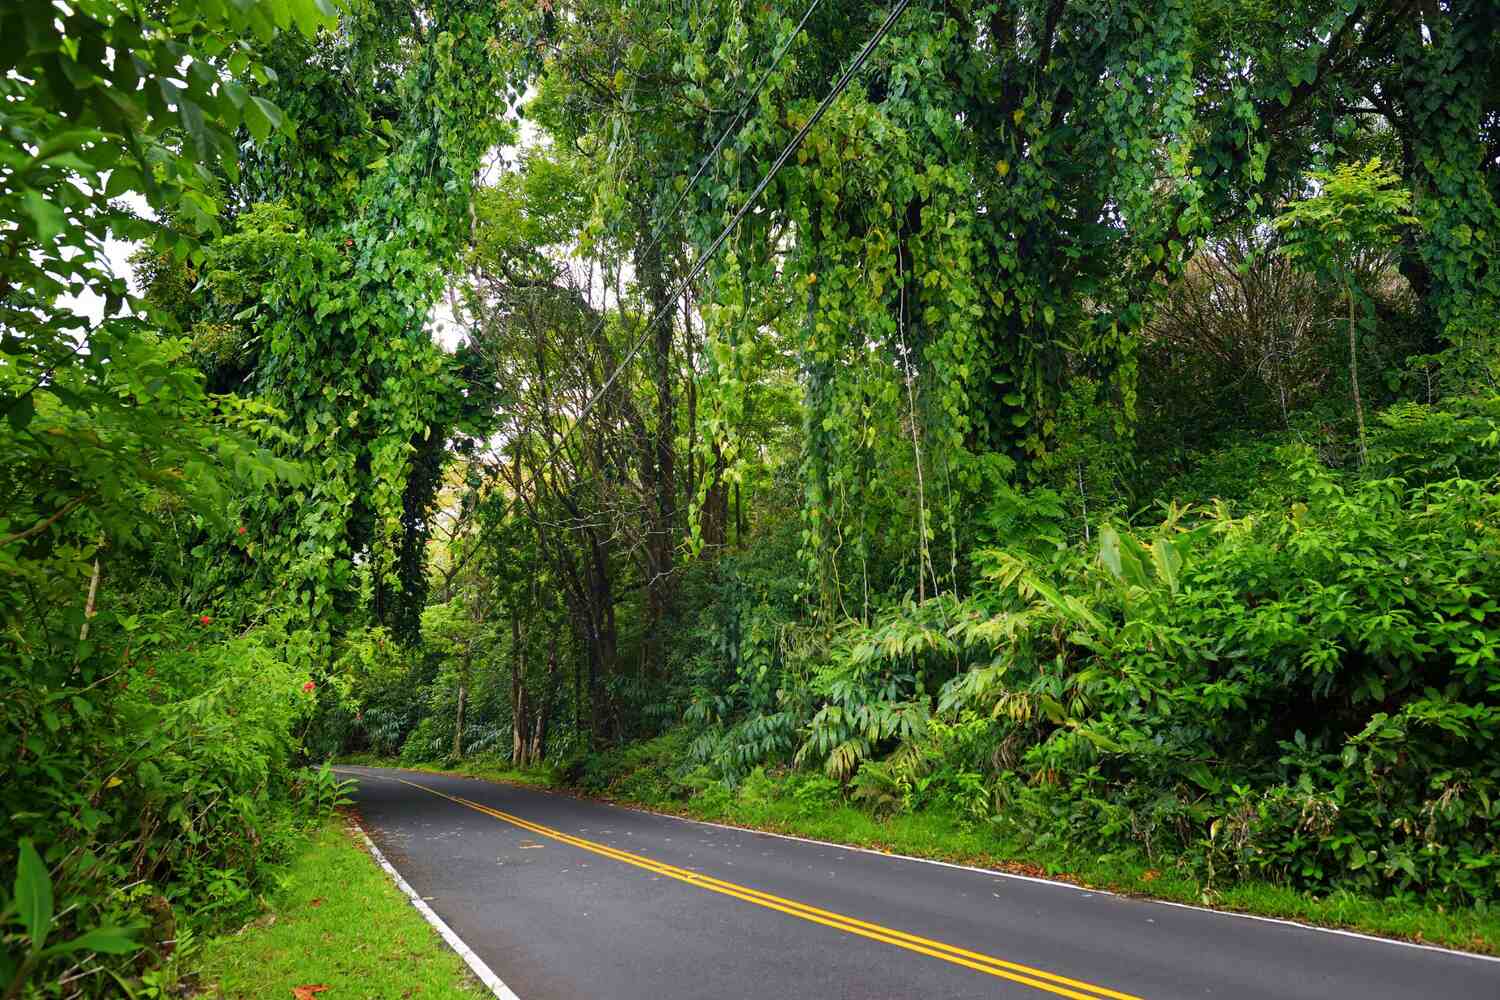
point(1076, 418)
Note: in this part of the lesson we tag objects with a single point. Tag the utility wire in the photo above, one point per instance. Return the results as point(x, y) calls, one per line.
point(713, 248)
point(730, 129)
point(734, 123)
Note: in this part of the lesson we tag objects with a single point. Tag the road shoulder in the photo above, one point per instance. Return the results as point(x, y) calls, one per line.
point(340, 923)
point(929, 836)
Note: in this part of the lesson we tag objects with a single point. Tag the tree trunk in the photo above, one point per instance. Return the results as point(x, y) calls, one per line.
point(1083, 498)
point(605, 639)
point(739, 518)
point(1359, 406)
point(690, 484)
point(518, 712)
point(458, 725)
point(908, 361)
point(661, 462)
point(543, 710)
point(517, 694)
point(715, 513)
point(88, 606)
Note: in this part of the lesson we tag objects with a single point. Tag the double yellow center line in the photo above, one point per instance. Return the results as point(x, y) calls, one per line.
point(988, 964)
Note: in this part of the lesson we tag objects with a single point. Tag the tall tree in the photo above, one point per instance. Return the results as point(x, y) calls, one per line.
point(397, 112)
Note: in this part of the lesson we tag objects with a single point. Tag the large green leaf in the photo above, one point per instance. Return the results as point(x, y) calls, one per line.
point(262, 118)
point(104, 940)
point(1167, 560)
point(45, 215)
point(33, 894)
point(1123, 557)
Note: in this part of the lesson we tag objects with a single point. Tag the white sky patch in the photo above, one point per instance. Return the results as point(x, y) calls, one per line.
point(117, 254)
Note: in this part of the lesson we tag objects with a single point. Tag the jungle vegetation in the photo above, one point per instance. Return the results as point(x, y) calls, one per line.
point(1076, 418)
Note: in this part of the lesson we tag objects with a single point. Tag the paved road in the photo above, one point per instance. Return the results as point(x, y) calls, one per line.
point(568, 899)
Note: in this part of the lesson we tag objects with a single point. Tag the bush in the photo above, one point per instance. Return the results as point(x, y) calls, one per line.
point(158, 780)
point(1310, 693)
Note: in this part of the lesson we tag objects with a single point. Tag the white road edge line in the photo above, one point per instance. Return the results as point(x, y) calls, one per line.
point(989, 871)
point(476, 964)
point(1047, 881)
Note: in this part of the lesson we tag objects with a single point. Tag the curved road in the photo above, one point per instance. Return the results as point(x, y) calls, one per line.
point(567, 899)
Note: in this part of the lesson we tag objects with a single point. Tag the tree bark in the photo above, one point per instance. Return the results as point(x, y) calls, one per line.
point(517, 693)
point(660, 464)
point(1359, 406)
point(88, 606)
point(458, 725)
point(543, 711)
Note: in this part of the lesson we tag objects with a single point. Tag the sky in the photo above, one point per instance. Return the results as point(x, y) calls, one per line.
point(117, 252)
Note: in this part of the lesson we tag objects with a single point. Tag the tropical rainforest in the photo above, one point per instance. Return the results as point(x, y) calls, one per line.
point(1074, 420)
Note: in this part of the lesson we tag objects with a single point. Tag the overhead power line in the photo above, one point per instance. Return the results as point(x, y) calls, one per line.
point(687, 190)
point(734, 123)
point(713, 248)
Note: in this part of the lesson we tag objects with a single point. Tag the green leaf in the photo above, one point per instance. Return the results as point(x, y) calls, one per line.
point(70, 140)
point(194, 124)
point(123, 178)
point(1200, 775)
point(33, 894)
point(104, 940)
point(310, 15)
point(20, 412)
point(1052, 708)
point(262, 118)
point(235, 92)
point(45, 216)
point(1122, 556)
point(1167, 560)
point(1099, 740)
point(1133, 560)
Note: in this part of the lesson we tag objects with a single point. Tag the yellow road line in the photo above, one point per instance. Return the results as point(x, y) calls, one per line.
point(1013, 971)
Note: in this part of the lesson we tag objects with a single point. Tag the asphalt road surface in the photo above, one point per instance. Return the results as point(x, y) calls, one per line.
point(565, 899)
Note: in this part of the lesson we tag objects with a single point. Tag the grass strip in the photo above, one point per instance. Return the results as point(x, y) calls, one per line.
point(339, 922)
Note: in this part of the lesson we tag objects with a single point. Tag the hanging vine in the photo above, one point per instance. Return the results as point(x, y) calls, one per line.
point(377, 181)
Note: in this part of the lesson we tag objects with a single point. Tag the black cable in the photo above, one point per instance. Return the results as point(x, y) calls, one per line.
point(735, 122)
point(707, 255)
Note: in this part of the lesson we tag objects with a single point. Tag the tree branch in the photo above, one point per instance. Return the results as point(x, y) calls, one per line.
point(41, 526)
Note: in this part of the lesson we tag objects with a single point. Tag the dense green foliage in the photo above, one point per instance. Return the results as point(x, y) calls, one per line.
point(1088, 434)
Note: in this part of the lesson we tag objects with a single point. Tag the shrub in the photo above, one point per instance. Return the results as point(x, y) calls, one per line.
point(158, 781)
point(1309, 693)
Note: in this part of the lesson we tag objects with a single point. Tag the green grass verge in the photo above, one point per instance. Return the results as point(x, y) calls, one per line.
point(637, 776)
point(339, 922)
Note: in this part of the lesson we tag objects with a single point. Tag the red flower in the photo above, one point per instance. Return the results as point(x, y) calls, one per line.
point(204, 619)
point(309, 686)
point(241, 529)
